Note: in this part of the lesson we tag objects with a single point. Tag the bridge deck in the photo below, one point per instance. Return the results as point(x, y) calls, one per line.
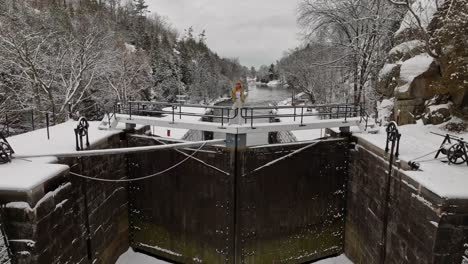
point(237, 129)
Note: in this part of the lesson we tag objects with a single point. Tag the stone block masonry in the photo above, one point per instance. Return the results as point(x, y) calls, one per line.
point(56, 228)
point(422, 227)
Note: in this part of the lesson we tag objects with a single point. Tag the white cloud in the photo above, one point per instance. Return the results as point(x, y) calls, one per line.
point(257, 32)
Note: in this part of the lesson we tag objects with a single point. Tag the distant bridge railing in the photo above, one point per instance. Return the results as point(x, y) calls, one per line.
point(225, 114)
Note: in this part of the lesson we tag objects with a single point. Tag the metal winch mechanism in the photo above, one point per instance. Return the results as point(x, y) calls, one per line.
point(5, 150)
point(455, 148)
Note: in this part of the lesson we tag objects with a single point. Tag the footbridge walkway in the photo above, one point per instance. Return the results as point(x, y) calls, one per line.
point(237, 121)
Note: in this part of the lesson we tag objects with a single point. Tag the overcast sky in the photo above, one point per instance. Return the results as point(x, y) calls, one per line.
point(257, 32)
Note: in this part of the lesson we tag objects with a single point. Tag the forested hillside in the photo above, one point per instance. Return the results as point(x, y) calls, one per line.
point(86, 55)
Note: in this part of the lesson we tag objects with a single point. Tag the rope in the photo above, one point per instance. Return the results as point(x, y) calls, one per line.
point(145, 177)
point(416, 159)
point(199, 160)
point(281, 158)
point(428, 160)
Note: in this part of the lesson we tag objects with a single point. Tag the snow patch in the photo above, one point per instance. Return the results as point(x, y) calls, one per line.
point(406, 47)
point(25, 175)
point(274, 83)
point(131, 257)
point(424, 9)
point(447, 181)
point(385, 110)
point(415, 66)
point(167, 251)
point(342, 259)
point(435, 108)
point(130, 48)
point(386, 70)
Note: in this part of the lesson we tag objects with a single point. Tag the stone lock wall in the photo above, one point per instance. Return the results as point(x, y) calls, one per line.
point(55, 229)
point(422, 227)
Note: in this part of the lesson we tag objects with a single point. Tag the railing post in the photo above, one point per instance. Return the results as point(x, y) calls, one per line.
point(251, 118)
point(302, 116)
point(173, 114)
point(53, 114)
point(346, 112)
point(130, 109)
point(294, 113)
point(222, 117)
point(47, 124)
point(180, 111)
point(69, 111)
point(7, 125)
point(245, 119)
point(32, 119)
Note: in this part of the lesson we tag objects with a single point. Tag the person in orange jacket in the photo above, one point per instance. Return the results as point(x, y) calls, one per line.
point(238, 97)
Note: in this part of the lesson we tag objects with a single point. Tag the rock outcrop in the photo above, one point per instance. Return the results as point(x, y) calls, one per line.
point(416, 80)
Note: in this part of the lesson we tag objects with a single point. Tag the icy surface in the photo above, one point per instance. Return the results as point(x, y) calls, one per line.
point(23, 175)
point(447, 181)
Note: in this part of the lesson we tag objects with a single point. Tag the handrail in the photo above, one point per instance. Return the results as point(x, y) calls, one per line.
point(226, 113)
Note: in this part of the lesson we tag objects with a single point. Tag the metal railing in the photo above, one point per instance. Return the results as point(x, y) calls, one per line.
point(248, 114)
point(132, 108)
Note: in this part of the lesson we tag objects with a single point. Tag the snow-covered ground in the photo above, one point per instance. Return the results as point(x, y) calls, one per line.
point(132, 257)
point(447, 181)
point(23, 175)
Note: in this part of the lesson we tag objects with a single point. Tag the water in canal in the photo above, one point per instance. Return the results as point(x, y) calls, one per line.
point(260, 96)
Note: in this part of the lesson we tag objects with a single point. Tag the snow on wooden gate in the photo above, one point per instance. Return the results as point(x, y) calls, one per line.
point(227, 207)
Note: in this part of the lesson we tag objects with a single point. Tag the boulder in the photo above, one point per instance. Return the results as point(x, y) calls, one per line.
point(437, 114)
point(408, 111)
point(388, 79)
point(406, 51)
point(448, 33)
point(418, 78)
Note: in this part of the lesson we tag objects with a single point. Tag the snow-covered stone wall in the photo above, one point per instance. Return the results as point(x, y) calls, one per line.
point(53, 228)
point(422, 226)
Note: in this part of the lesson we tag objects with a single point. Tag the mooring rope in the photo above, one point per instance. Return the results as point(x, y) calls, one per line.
point(144, 177)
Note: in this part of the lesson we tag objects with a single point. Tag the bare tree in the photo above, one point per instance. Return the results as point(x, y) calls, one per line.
point(315, 71)
point(128, 72)
point(362, 27)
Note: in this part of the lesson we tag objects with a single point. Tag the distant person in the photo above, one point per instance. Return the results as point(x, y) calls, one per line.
point(238, 98)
